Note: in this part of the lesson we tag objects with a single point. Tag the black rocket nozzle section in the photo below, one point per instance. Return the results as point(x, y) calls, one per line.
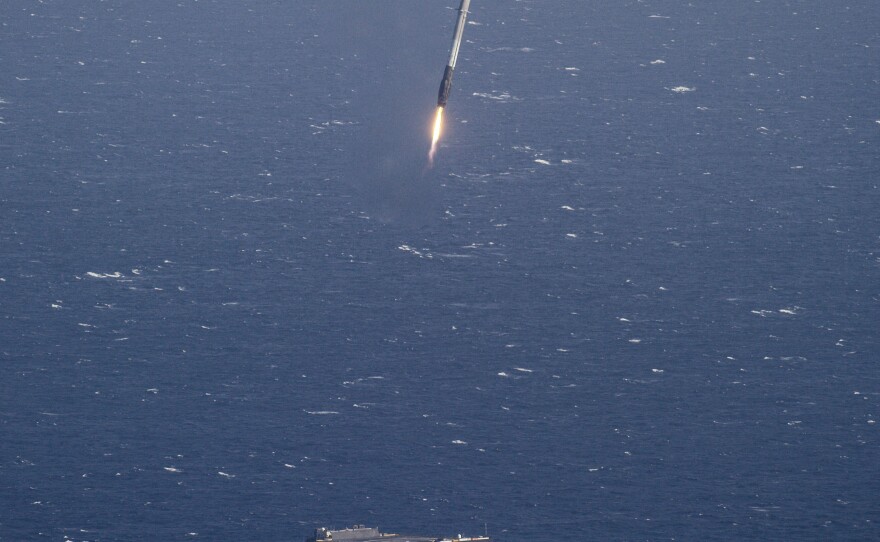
point(445, 87)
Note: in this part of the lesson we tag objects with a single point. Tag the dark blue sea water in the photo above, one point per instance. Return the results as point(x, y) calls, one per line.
point(636, 298)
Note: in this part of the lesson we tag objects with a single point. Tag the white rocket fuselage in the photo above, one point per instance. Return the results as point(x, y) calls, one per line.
point(446, 83)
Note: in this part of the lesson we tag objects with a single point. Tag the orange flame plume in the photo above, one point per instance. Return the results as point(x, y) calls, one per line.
point(438, 125)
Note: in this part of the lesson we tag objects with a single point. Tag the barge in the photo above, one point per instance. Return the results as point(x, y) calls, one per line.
point(362, 533)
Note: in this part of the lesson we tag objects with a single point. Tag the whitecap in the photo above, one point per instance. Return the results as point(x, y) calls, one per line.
point(510, 49)
point(680, 89)
point(413, 251)
point(114, 275)
point(503, 97)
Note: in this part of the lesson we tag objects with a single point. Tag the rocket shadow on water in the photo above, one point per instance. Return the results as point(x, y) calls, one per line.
point(399, 50)
point(389, 164)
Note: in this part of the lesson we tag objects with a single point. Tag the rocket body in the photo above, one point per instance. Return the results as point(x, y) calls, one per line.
point(446, 83)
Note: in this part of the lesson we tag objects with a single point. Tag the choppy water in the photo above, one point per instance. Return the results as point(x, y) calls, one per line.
point(635, 299)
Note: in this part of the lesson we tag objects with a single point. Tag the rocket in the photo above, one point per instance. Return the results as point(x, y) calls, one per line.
point(446, 83)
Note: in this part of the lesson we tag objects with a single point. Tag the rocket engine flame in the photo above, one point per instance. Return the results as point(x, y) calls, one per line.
point(438, 126)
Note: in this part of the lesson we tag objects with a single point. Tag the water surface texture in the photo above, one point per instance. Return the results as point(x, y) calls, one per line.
point(636, 298)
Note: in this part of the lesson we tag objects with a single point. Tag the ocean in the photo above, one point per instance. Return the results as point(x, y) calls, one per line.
point(636, 297)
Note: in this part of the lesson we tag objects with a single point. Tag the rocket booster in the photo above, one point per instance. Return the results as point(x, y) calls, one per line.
point(446, 83)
